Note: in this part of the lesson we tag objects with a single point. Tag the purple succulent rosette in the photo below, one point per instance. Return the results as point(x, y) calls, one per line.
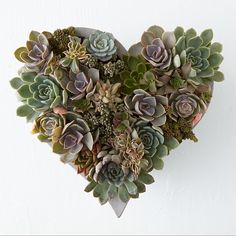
point(111, 114)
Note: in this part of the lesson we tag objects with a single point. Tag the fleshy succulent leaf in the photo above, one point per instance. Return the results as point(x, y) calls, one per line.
point(206, 36)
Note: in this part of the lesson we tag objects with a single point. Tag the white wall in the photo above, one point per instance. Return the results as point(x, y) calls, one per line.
point(196, 191)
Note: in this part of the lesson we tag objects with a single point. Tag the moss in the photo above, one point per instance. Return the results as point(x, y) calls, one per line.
point(182, 129)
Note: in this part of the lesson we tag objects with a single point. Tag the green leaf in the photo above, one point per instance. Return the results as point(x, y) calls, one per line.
point(16, 82)
point(58, 148)
point(24, 111)
point(207, 36)
point(171, 143)
point(205, 52)
point(28, 76)
point(141, 187)
point(90, 186)
point(162, 150)
point(130, 83)
point(180, 45)
point(215, 60)
point(131, 187)
point(112, 191)
point(141, 68)
point(195, 42)
point(216, 48)
point(209, 72)
point(34, 103)
point(149, 76)
point(158, 163)
point(18, 52)
point(135, 49)
point(189, 34)
point(123, 194)
point(218, 76)
point(145, 178)
point(179, 31)
point(24, 91)
point(132, 62)
point(42, 138)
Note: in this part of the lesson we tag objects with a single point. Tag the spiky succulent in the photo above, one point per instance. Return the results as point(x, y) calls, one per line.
point(37, 53)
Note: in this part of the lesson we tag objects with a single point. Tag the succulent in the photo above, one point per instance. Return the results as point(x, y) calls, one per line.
point(72, 138)
point(37, 53)
point(147, 107)
point(38, 93)
point(76, 53)
point(197, 56)
point(186, 105)
point(107, 93)
point(137, 74)
point(47, 124)
point(87, 159)
point(60, 39)
point(80, 86)
point(101, 45)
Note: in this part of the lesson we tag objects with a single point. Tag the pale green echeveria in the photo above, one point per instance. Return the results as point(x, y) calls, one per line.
point(38, 93)
point(197, 56)
point(101, 45)
point(47, 125)
point(70, 140)
point(37, 53)
point(148, 107)
point(156, 145)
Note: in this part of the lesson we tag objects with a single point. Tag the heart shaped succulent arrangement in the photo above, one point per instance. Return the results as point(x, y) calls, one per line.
point(112, 114)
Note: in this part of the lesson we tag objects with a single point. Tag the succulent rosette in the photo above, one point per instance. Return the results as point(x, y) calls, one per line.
point(111, 114)
point(186, 105)
point(147, 107)
point(37, 52)
point(101, 45)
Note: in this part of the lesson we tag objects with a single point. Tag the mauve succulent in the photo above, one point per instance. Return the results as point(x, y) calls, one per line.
point(147, 107)
point(80, 86)
point(186, 105)
point(37, 52)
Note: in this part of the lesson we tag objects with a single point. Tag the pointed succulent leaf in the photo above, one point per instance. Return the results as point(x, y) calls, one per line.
point(180, 45)
point(123, 194)
point(205, 52)
point(28, 76)
point(179, 31)
point(158, 163)
point(112, 191)
point(131, 187)
point(90, 186)
point(58, 148)
point(206, 36)
point(209, 72)
point(156, 30)
point(218, 76)
point(18, 52)
point(216, 48)
point(162, 150)
point(190, 33)
point(195, 42)
point(171, 143)
point(16, 83)
point(145, 178)
point(141, 187)
point(24, 91)
point(215, 60)
point(24, 111)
